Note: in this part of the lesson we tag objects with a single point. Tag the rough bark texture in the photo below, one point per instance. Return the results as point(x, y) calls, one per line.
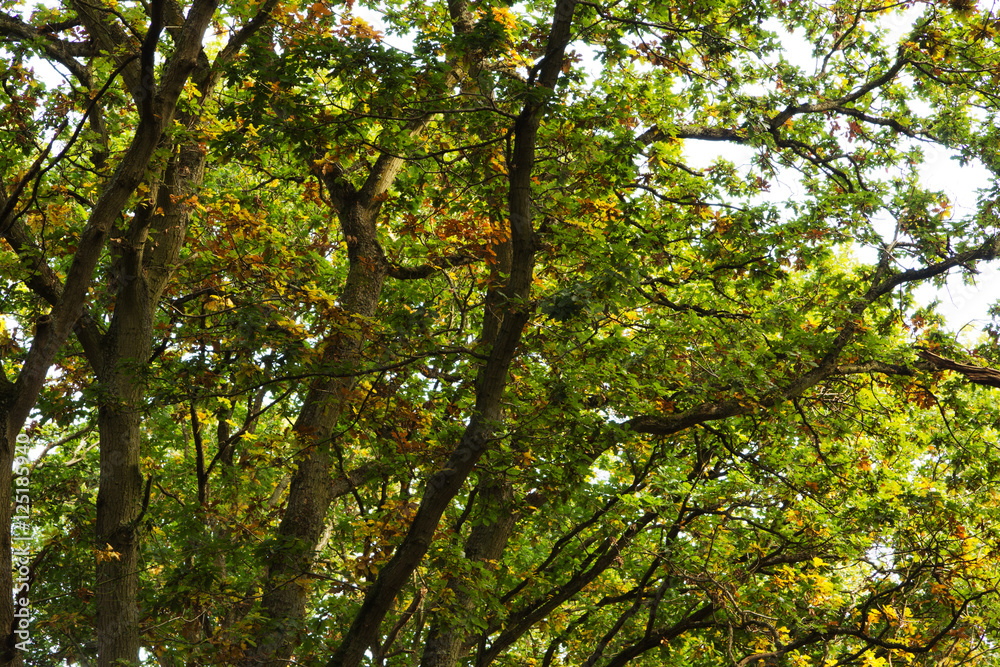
point(8, 432)
point(448, 635)
point(117, 628)
point(147, 261)
point(119, 499)
point(304, 521)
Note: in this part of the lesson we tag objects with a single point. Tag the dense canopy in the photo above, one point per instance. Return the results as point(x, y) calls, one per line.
point(425, 333)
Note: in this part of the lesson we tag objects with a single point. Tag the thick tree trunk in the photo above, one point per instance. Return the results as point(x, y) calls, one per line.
point(445, 484)
point(117, 626)
point(120, 361)
point(148, 260)
point(119, 498)
point(450, 630)
point(304, 521)
point(51, 332)
point(9, 654)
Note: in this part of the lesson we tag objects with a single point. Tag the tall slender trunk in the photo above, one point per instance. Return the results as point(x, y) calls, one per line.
point(119, 499)
point(488, 539)
point(446, 483)
point(304, 522)
point(147, 260)
point(486, 543)
point(115, 625)
point(145, 266)
point(9, 655)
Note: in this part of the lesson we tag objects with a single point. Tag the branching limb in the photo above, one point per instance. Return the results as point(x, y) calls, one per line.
point(63, 52)
point(883, 282)
point(424, 270)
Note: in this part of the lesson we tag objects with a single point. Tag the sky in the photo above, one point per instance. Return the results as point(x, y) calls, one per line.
point(964, 306)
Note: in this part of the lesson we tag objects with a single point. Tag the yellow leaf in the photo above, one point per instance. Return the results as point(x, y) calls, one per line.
point(106, 554)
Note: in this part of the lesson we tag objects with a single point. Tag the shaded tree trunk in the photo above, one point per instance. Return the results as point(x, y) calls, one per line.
point(9, 654)
point(119, 498)
point(304, 521)
point(146, 262)
point(449, 632)
point(445, 484)
point(148, 259)
point(117, 627)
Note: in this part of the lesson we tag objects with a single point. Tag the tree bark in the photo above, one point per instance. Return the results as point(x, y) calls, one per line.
point(9, 654)
point(445, 484)
point(448, 633)
point(54, 328)
point(148, 260)
point(119, 498)
point(304, 521)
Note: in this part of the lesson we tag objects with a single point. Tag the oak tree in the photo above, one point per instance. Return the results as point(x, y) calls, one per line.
point(424, 333)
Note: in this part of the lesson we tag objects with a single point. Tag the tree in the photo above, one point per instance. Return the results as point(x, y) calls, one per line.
point(449, 355)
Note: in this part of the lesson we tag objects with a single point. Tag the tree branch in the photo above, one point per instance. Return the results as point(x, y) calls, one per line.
point(63, 52)
point(988, 377)
point(424, 270)
point(882, 284)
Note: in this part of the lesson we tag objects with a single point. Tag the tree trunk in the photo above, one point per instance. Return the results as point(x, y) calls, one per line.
point(148, 260)
point(9, 626)
point(119, 498)
point(486, 542)
point(304, 521)
point(488, 539)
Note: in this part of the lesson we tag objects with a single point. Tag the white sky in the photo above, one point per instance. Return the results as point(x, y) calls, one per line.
point(964, 306)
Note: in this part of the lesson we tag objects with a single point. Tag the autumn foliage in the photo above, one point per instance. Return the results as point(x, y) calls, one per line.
point(454, 333)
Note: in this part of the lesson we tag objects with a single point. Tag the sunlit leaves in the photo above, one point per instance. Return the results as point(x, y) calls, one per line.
point(836, 494)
